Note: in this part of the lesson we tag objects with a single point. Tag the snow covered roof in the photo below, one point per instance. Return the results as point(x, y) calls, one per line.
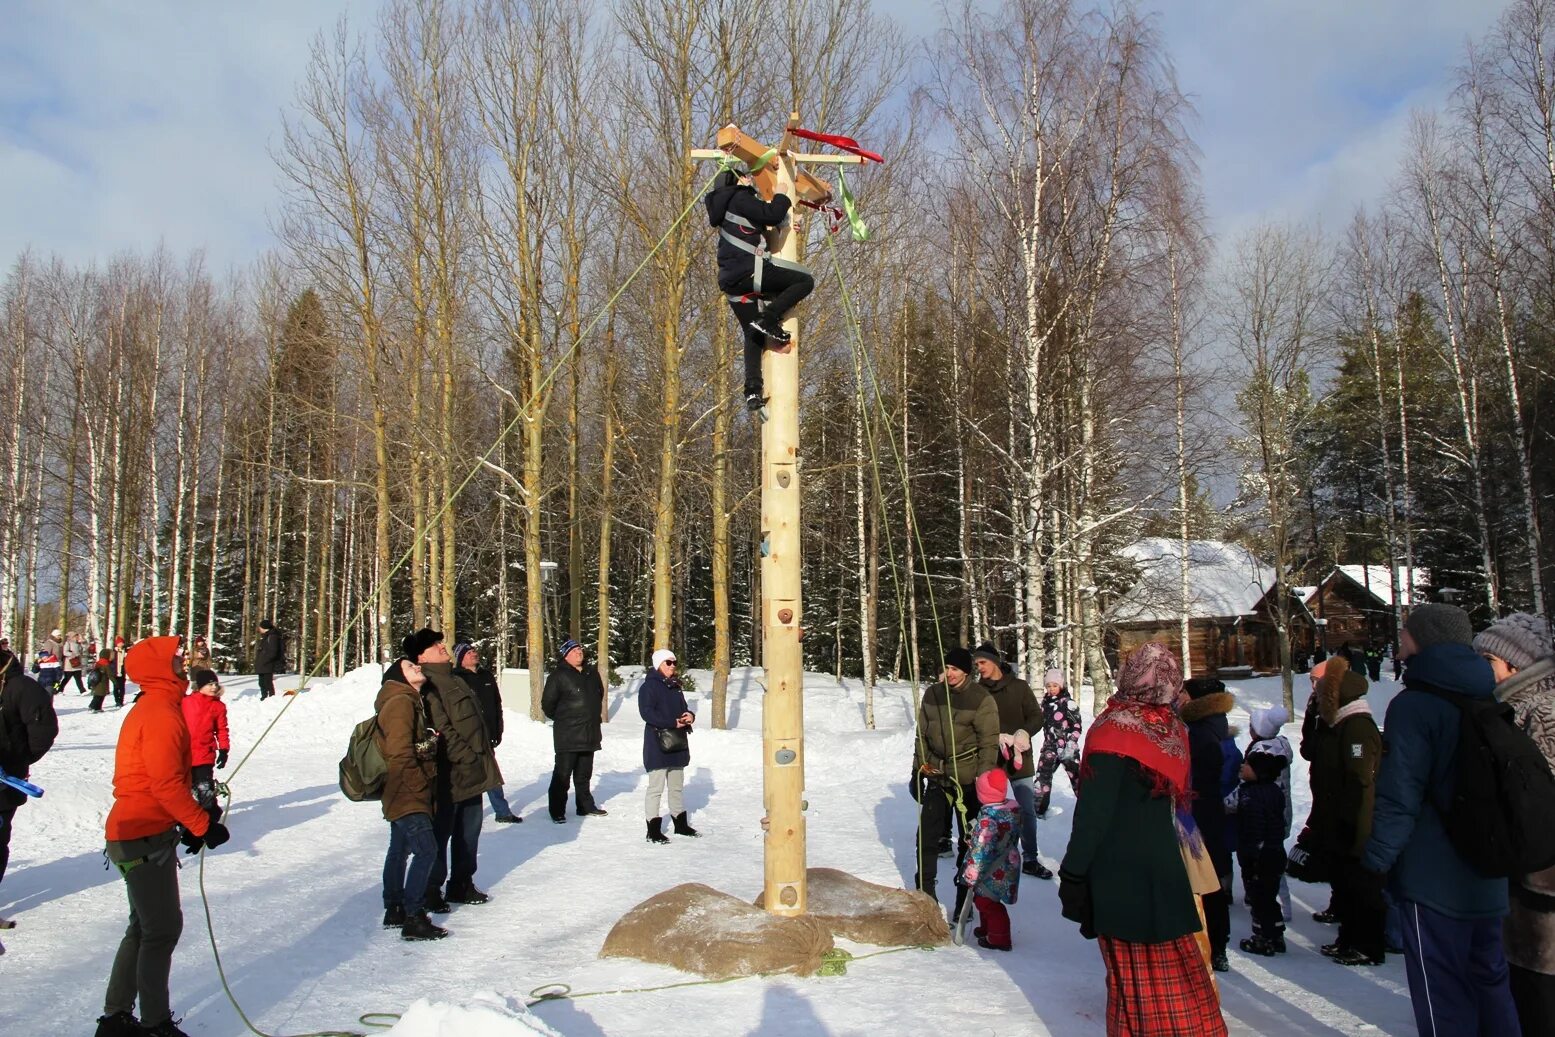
point(1379, 580)
point(1306, 594)
point(1224, 581)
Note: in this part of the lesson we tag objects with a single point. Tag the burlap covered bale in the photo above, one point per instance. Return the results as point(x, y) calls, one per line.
point(697, 929)
point(867, 913)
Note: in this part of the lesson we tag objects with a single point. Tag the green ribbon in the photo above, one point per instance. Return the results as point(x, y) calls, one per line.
point(850, 208)
point(729, 162)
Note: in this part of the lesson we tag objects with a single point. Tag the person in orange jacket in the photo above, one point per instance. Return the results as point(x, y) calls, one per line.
point(206, 715)
point(153, 811)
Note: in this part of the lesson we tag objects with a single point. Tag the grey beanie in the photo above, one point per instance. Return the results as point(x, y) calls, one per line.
point(1436, 624)
point(1521, 639)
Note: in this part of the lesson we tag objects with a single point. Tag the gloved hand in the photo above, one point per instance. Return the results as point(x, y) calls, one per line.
point(216, 834)
point(496, 741)
point(214, 813)
point(1074, 898)
point(192, 843)
point(221, 759)
point(915, 787)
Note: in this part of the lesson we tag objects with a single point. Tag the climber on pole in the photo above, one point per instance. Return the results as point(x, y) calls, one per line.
point(760, 287)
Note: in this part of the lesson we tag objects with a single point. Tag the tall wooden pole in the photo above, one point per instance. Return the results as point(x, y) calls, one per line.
point(782, 724)
point(782, 713)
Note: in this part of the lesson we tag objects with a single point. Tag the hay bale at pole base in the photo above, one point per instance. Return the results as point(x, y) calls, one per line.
point(697, 929)
point(866, 913)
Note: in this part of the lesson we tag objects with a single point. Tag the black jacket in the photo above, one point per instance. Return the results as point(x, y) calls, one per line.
point(572, 700)
point(28, 728)
point(1207, 730)
point(484, 684)
point(735, 264)
point(270, 657)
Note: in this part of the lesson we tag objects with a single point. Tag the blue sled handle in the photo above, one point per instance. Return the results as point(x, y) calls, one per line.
point(24, 787)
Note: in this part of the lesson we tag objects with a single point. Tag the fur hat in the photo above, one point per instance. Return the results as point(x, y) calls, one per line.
point(1150, 674)
point(1266, 722)
point(1198, 687)
point(419, 641)
point(993, 786)
point(1436, 624)
point(1055, 676)
point(960, 658)
point(1521, 639)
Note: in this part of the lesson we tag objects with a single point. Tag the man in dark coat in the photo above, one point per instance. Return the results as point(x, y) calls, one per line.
point(957, 739)
point(1453, 952)
point(1020, 716)
point(573, 700)
point(28, 728)
point(1204, 713)
point(269, 657)
point(468, 668)
point(760, 287)
point(466, 768)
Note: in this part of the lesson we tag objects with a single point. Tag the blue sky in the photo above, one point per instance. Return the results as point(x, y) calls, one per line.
point(124, 124)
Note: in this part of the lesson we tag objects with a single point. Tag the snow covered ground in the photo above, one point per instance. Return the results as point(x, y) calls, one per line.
point(296, 894)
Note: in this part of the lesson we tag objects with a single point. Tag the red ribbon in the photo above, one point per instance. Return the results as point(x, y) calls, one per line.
point(840, 142)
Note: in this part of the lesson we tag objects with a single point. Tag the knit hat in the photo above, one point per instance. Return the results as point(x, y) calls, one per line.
point(993, 786)
point(201, 677)
point(566, 648)
point(419, 641)
point(986, 650)
point(1266, 722)
point(662, 656)
point(960, 658)
point(1198, 687)
point(1055, 676)
point(1521, 639)
point(1151, 675)
point(1436, 624)
point(460, 649)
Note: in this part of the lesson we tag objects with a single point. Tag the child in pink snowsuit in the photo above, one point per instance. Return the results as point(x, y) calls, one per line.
point(993, 861)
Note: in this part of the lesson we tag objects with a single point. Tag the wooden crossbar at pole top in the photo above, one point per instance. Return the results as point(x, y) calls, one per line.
point(782, 725)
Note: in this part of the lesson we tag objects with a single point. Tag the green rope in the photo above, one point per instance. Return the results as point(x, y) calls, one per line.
point(371, 601)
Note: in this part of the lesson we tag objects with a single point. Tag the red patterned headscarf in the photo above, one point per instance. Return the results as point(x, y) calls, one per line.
point(1140, 722)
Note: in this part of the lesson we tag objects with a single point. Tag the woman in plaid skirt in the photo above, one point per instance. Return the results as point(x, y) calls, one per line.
point(1123, 877)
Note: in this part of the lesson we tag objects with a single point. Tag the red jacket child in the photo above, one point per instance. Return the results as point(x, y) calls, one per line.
point(206, 715)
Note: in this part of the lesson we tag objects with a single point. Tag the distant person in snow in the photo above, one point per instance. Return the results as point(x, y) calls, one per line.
point(70, 663)
point(760, 287)
point(468, 668)
point(121, 651)
point(51, 661)
point(209, 743)
point(667, 721)
point(199, 657)
point(101, 681)
point(573, 699)
point(269, 657)
point(153, 812)
point(1060, 738)
point(28, 728)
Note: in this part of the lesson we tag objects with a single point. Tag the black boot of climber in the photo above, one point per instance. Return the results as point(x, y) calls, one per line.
point(682, 826)
point(771, 328)
point(754, 401)
point(656, 831)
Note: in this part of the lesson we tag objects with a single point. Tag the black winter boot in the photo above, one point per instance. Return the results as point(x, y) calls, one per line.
point(466, 894)
point(119, 1024)
point(682, 826)
point(393, 917)
point(420, 927)
point(655, 831)
point(166, 1028)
